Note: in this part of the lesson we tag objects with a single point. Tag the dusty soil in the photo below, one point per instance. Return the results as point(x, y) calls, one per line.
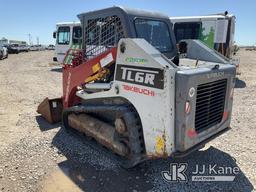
point(37, 156)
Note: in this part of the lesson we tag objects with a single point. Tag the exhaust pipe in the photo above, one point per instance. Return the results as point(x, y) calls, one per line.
point(51, 109)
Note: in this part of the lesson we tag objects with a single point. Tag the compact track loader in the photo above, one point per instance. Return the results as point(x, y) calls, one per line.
point(133, 91)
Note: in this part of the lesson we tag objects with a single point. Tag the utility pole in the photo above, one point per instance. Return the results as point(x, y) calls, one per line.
point(37, 40)
point(29, 39)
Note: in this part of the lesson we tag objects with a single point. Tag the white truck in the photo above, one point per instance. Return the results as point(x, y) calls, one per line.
point(68, 35)
point(216, 31)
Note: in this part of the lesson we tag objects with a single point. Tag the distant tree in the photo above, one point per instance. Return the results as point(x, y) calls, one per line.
point(4, 39)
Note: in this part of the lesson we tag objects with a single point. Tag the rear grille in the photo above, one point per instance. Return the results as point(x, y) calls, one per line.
point(210, 103)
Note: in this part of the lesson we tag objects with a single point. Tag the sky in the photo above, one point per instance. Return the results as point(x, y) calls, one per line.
point(18, 18)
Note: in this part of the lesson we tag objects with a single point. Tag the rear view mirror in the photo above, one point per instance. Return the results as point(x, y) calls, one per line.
point(54, 35)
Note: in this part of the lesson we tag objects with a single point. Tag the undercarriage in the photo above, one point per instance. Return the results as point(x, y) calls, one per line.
point(117, 127)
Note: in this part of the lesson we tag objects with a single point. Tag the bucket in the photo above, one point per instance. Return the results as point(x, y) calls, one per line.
point(51, 109)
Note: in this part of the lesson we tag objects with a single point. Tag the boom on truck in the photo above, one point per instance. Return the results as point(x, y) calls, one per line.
point(129, 90)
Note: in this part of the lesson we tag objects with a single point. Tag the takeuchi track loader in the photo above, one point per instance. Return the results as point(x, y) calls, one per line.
point(136, 92)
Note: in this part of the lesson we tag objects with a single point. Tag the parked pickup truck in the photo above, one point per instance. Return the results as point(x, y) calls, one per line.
point(50, 47)
point(16, 48)
point(33, 48)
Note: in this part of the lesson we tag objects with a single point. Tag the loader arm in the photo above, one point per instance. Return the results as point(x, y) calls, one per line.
point(74, 76)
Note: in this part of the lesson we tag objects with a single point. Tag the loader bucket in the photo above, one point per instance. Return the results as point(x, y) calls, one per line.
point(51, 109)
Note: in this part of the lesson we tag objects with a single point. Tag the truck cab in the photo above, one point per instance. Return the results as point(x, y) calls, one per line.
point(68, 36)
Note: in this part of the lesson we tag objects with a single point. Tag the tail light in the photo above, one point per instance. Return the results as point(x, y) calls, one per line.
point(187, 107)
point(225, 115)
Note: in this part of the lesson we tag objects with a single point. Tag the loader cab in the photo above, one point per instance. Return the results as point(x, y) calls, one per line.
point(104, 28)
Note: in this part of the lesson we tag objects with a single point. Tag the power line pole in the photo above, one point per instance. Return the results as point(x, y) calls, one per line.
point(37, 40)
point(29, 39)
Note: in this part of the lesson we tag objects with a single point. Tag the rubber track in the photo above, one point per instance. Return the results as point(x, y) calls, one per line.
point(132, 121)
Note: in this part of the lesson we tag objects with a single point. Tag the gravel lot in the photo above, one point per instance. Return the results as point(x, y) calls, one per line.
point(37, 156)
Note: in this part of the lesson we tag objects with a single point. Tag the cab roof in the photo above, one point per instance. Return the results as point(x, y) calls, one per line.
point(68, 23)
point(116, 10)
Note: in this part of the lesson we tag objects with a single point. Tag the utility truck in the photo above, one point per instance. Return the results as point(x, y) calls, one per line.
point(217, 31)
point(130, 90)
point(68, 35)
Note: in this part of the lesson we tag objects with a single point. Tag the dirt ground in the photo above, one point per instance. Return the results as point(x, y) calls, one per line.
point(37, 156)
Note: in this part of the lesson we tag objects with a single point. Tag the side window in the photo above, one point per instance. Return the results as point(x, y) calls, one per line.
point(77, 35)
point(189, 30)
point(63, 37)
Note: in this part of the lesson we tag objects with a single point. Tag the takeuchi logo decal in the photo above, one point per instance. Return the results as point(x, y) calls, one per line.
point(136, 60)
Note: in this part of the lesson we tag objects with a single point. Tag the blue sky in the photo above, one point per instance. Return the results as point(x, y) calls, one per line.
point(18, 18)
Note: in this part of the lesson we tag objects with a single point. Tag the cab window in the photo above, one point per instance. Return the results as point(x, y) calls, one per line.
point(63, 37)
point(189, 30)
point(155, 32)
point(77, 35)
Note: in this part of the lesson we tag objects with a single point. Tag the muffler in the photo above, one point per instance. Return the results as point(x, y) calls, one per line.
point(51, 109)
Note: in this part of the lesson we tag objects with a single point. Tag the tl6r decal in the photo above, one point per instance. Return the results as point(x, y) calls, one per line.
point(150, 77)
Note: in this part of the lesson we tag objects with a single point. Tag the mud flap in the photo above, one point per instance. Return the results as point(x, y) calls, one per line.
point(51, 109)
